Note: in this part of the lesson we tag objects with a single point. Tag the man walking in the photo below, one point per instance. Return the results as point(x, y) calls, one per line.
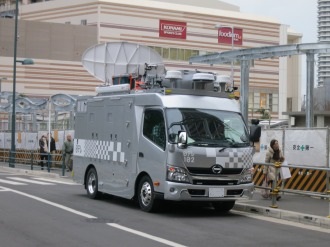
point(67, 151)
point(52, 148)
point(43, 149)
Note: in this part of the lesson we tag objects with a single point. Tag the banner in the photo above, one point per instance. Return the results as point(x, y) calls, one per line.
point(2, 140)
point(172, 29)
point(7, 140)
point(20, 140)
point(31, 141)
point(306, 147)
point(226, 36)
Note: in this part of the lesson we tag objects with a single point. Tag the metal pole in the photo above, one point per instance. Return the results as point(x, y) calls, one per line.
point(49, 134)
point(232, 62)
point(245, 68)
point(309, 90)
point(13, 123)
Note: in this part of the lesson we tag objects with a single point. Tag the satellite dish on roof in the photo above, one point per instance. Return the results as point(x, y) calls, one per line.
point(104, 61)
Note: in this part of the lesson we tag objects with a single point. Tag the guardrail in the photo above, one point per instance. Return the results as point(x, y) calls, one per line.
point(31, 159)
point(319, 189)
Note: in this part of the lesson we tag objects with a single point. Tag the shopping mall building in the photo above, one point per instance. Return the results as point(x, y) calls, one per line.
point(56, 33)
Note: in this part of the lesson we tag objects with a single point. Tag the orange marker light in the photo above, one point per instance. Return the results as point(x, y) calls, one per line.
point(157, 183)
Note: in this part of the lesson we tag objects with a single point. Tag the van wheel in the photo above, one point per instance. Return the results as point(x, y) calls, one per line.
point(92, 184)
point(146, 195)
point(223, 207)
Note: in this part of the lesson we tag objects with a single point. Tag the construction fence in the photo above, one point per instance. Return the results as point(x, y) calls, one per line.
point(306, 152)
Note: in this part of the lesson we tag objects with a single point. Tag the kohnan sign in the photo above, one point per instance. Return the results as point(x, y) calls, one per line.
point(225, 35)
point(172, 29)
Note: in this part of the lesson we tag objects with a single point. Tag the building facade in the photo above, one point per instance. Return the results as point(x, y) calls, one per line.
point(177, 31)
point(323, 36)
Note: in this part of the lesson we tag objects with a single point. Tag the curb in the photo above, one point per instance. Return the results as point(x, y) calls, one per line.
point(307, 219)
point(32, 172)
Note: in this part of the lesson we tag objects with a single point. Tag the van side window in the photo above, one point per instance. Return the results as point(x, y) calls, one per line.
point(154, 127)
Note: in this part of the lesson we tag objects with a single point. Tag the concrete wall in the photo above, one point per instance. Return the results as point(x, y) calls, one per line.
point(56, 50)
point(46, 40)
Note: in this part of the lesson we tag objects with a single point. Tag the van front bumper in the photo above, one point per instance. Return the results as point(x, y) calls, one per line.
point(189, 192)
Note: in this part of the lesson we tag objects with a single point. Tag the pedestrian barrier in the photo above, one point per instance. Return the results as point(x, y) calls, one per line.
point(311, 181)
point(31, 159)
point(305, 179)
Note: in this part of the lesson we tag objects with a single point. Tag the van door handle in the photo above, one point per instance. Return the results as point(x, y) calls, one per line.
point(141, 155)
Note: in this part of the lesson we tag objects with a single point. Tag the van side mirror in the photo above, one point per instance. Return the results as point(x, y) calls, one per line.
point(182, 139)
point(255, 133)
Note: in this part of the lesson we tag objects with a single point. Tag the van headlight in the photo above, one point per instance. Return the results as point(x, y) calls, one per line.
point(246, 176)
point(177, 174)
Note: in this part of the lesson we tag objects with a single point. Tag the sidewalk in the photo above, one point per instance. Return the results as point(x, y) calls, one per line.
point(292, 207)
point(21, 168)
point(298, 208)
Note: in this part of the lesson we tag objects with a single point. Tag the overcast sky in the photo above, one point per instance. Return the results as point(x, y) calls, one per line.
point(300, 15)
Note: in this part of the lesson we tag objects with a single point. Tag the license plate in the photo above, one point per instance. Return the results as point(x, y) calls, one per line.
point(216, 192)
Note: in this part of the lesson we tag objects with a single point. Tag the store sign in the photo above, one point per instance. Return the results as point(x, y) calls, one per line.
point(172, 29)
point(225, 35)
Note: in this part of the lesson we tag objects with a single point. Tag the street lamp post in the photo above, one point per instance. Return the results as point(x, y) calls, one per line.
point(13, 119)
point(232, 48)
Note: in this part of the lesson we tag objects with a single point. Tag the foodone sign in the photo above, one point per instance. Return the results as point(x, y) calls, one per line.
point(225, 36)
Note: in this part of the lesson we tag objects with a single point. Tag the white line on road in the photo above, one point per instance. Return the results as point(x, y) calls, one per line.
point(281, 221)
point(3, 189)
point(56, 181)
point(29, 181)
point(51, 203)
point(145, 235)
point(11, 182)
point(161, 240)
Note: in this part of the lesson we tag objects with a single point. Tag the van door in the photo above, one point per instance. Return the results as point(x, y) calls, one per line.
point(119, 135)
point(152, 146)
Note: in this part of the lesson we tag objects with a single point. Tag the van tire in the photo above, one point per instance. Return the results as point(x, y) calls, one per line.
point(146, 195)
point(223, 207)
point(92, 184)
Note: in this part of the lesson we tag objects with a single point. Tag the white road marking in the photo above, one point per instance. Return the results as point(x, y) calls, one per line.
point(145, 235)
point(11, 182)
point(51, 203)
point(161, 240)
point(3, 189)
point(29, 181)
point(56, 181)
point(281, 221)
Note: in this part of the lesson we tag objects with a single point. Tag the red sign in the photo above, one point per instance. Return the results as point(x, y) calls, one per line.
point(225, 35)
point(172, 29)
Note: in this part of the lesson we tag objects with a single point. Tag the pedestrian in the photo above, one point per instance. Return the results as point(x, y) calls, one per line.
point(273, 154)
point(43, 150)
point(67, 151)
point(52, 147)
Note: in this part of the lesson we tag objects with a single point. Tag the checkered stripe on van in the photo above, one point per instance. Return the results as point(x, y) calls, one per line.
point(104, 150)
point(235, 158)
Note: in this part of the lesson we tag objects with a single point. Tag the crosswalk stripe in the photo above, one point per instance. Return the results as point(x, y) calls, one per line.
point(29, 181)
point(11, 182)
point(56, 181)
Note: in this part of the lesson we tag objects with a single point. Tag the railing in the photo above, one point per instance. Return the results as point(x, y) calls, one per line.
point(319, 177)
point(30, 159)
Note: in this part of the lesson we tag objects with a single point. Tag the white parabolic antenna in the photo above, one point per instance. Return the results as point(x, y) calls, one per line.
point(104, 61)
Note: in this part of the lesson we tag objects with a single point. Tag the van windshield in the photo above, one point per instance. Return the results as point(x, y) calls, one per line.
point(207, 127)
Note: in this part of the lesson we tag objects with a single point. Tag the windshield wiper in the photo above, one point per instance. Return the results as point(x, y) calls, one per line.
point(185, 121)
